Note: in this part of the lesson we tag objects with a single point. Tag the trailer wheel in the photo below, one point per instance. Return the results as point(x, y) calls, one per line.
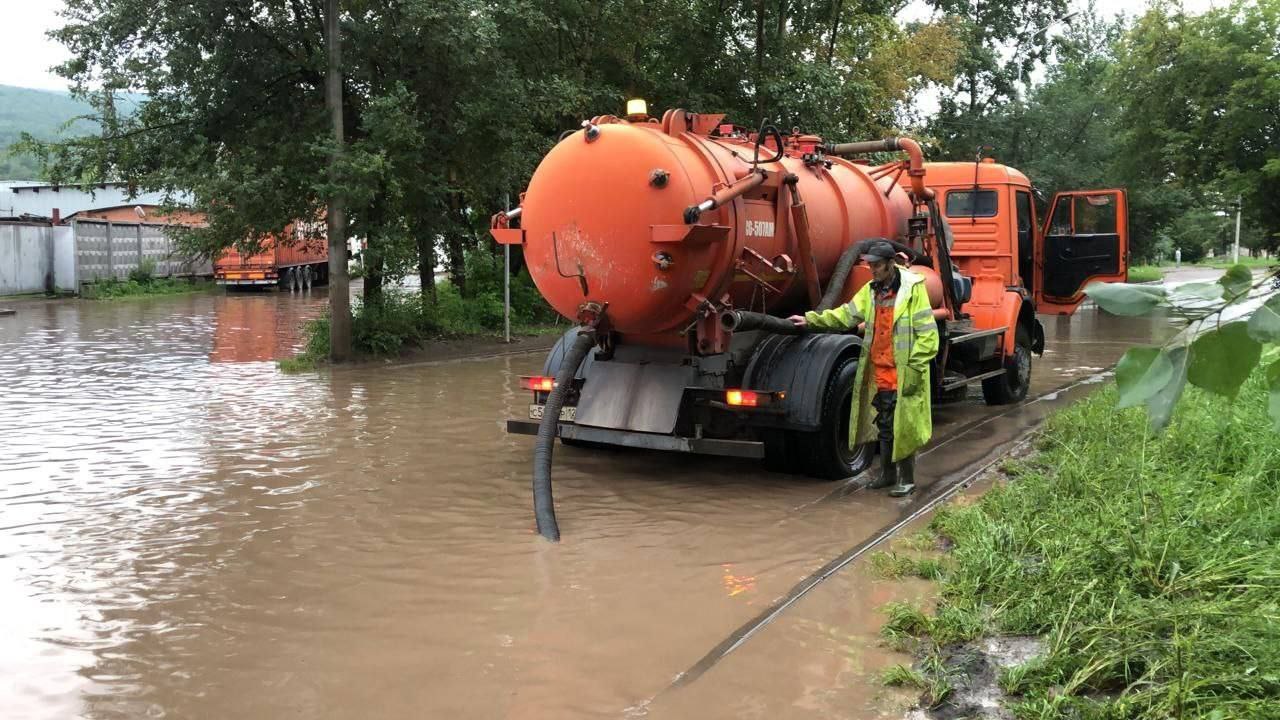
point(1012, 386)
point(826, 452)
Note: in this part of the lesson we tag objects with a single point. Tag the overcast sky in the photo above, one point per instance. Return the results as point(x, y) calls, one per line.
point(26, 55)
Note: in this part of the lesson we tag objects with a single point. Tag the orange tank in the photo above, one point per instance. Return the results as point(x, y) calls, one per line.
point(604, 219)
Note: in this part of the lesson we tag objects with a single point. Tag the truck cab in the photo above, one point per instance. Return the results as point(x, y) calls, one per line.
point(1014, 266)
point(1000, 239)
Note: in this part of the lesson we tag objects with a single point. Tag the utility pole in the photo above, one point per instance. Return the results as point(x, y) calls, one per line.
point(1235, 254)
point(339, 285)
point(506, 279)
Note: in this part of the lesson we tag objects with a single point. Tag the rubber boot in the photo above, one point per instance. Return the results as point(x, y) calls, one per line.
point(906, 481)
point(888, 469)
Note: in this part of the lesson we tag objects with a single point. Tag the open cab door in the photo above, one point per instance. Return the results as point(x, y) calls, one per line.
point(1085, 239)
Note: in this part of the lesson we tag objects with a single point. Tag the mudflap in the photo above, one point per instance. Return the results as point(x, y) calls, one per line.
point(1037, 337)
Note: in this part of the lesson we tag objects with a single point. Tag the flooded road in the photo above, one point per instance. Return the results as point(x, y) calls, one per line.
point(185, 532)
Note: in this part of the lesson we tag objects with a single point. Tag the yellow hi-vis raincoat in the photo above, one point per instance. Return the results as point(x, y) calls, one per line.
point(915, 342)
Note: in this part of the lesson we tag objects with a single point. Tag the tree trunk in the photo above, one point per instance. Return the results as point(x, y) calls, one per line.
point(427, 265)
point(457, 260)
point(782, 24)
point(374, 271)
point(760, 59)
point(455, 245)
point(375, 264)
point(835, 31)
point(339, 286)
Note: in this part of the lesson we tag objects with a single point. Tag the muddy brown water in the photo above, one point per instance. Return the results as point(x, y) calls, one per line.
point(187, 533)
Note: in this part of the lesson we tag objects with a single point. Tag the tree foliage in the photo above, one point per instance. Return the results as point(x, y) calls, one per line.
point(1182, 110)
point(1232, 327)
point(448, 105)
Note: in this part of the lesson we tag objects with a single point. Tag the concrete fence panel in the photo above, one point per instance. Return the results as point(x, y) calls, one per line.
point(107, 250)
point(26, 258)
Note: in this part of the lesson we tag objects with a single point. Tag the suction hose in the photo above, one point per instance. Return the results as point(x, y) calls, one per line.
point(849, 258)
point(742, 321)
point(544, 507)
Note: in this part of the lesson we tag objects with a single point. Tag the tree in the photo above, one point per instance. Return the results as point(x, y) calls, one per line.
point(986, 79)
point(339, 297)
point(1202, 104)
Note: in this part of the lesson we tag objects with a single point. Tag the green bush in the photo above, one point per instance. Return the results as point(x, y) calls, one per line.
point(145, 271)
point(484, 286)
point(1145, 273)
point(390, 325)
point(131, 288)
point(401, 320)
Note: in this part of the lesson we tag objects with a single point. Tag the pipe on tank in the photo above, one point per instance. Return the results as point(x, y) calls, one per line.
point(804, 244)
point(724, 195)
point(915, 158)
point(544, 508)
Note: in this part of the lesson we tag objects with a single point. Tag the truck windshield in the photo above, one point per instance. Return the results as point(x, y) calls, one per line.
point(960, 203)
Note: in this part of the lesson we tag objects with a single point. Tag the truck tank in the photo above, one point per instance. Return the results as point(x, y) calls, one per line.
point(611, 217)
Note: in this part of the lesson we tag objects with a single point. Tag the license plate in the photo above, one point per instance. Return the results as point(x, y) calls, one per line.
point(567, 414)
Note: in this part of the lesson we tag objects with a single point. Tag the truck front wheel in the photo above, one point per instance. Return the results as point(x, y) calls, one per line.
point(825, 453)
point(1012, 386)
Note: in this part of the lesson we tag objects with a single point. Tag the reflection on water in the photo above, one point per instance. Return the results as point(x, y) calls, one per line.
point(185, 532)
point(262, 326)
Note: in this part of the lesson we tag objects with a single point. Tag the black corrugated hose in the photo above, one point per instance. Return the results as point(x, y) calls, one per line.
point(849, 258)
point(544, 507)
point(743, 321)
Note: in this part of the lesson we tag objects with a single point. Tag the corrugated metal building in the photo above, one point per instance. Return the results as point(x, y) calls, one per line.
point(23, 199)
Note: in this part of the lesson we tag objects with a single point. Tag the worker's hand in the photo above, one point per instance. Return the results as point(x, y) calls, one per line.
point(799, 321)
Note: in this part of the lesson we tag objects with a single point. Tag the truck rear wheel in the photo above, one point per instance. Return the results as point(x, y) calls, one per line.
point(1012, 386)
point(825, 453)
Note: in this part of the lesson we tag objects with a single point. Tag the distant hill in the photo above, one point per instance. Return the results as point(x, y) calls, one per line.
point(41, 113)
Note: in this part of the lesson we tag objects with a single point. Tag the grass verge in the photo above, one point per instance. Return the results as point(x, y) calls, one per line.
point(1145, 273)
point(1225, 262)
point(142, 288)
point(1149, 565)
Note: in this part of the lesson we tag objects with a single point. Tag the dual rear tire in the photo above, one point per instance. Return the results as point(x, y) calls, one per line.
point(825, 452)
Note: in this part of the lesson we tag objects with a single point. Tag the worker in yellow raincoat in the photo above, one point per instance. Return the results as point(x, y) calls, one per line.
point(900, 340)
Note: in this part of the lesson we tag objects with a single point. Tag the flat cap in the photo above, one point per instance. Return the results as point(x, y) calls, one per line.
point(879, 250)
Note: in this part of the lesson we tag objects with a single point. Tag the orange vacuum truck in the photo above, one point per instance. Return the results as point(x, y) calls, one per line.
point(680, 246)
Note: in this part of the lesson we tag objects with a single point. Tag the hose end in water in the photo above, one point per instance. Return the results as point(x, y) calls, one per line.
point(544, 507)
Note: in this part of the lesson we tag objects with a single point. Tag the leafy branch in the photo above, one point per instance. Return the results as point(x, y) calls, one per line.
point(1216, 356)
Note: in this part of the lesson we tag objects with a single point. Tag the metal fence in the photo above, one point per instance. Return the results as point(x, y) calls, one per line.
point(38, 257)
point(108, 250)
point(26, 258)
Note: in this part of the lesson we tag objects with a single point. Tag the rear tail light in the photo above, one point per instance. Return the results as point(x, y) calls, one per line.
point(537, 383)
point(752, 398)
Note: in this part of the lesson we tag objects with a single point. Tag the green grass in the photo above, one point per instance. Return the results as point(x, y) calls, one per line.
point(134, 288)
point(1149, 565)
point(903, 676)
point(1145, 273)
point(893, 565)
point(1225, 262)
